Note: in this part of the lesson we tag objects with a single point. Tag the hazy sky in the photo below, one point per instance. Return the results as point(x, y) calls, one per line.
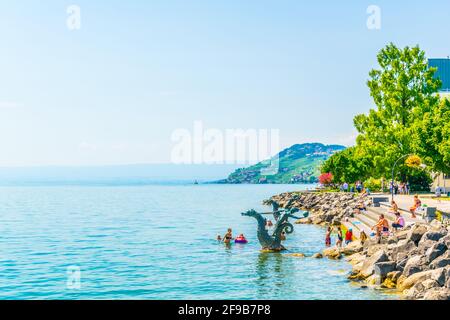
point(115, 90)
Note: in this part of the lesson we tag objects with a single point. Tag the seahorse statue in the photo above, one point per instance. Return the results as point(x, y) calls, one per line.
point(267, 241)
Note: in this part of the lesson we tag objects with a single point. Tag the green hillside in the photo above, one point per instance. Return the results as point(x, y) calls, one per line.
point(297, 164)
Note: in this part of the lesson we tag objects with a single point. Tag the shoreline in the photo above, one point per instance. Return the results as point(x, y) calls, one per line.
point(413, 262)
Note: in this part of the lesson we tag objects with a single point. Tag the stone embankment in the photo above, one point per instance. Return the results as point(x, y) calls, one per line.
point(415, 261)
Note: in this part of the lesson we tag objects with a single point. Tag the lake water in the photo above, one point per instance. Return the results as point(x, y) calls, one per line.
point(155, 242)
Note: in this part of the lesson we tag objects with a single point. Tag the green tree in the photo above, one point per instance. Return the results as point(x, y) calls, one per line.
point(403, 88)
point(348, 165)
point(432, 135)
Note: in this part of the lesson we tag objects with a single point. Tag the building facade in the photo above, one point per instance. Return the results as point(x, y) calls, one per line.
point(443, 72)
point(441, 181)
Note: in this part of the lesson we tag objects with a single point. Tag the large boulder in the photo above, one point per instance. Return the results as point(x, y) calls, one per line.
point(433, 235)
point(394, 275)
point(435, 225)
point(439, 275)
point(442, 261)
point(424, 246)
point(375, 248)
point(383, 268)
point(332, 253)
point(435, 251)
point(414, 264)
point(402, 249)
point(404, 283)
point(352, 248)
point(437, 294)
point(445, 240)
point(416, 233)
point(368, 267)
point(402, 263)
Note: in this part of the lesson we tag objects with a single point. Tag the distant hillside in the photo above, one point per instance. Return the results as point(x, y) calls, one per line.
point(297, 164)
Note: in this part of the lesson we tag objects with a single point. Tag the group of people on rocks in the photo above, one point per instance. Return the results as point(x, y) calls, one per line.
point(339, 236)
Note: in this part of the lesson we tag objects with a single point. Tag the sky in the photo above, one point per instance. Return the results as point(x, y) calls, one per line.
point(115, 90)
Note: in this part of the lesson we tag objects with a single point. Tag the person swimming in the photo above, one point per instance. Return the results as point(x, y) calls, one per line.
point(269, 224)
point(219, 238)
point(283, 236)
point(228, 236)
point(241, 239)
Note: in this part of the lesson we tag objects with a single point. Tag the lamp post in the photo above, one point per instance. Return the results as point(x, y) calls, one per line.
point(393, 171)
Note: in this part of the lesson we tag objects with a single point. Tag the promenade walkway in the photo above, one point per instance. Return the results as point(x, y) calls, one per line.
point(406, 201)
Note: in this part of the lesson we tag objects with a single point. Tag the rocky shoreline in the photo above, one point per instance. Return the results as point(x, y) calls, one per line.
point(414, 261)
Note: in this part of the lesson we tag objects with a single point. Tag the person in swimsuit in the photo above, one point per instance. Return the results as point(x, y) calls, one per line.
point(328, 237)
point(381, 226)
point(339, 237)
point(228, 236)
point(394, 207)
point(417, 204)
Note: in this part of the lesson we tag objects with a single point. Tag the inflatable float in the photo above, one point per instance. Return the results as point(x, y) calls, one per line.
point(240, 240)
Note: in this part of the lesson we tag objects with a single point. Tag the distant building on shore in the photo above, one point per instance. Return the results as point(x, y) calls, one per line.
point(441, 181)
point(443, 72)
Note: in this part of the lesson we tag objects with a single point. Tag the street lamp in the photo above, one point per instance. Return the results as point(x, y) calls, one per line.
point(422, 165)
point(393, 171)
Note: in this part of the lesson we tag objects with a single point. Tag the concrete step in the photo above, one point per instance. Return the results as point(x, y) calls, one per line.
point(367, 219)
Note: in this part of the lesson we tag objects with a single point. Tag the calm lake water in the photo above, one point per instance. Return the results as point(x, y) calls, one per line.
point(155, 242)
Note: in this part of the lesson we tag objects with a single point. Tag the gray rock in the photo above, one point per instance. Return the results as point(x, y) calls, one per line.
point(433, 235)
point(383, 268)
point(430, 283)
point(439, 276)
point(436, 224)
point(402, 263)
point(445, 240)
point(442, 261)
point(403, 248)
point(437, 294)
point(415, 264)
point(368, 267)
point(435, 251)
point(416, 233)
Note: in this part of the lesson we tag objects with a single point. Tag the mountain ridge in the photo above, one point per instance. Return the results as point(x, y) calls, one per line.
point(299, 163)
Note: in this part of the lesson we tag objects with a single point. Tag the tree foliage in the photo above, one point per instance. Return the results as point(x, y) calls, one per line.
point(409, 118)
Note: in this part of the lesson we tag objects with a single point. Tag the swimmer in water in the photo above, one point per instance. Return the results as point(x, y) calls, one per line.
point(228, 236)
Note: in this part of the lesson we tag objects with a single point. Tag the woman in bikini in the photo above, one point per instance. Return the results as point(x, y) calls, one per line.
point(228, 236)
